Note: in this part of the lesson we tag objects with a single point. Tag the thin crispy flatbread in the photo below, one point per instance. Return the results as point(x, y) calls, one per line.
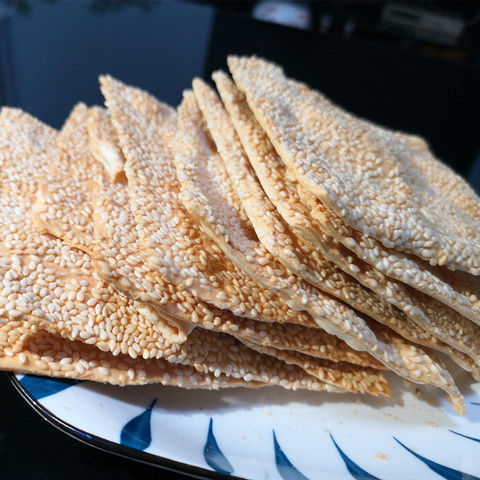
point(199, 342)
point(122, 105)
point(208, 351)
point(364, 173)
point(209, 197)
point(24, 348)
point(63, 209)
point(118, 247)
point(458, 290)
point(68, 219)
point(294, 252)
point(345, 375)
point(282, 192)
point(118, 253)
point(68, 187)
point(44, 277)
point(40, 274)
point(432, 316)
point(172, 241)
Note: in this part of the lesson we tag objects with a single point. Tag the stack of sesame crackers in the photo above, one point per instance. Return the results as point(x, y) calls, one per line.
point(257, 235)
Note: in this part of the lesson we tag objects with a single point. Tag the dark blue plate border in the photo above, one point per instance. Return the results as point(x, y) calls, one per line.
point(116, 448)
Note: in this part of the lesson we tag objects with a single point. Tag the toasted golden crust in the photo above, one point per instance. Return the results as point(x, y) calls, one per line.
point(24, 348)
point(118, 250)
point(432, 316)
point(337, 374)
point(286, 337)
point(33, 263)
point(27, 349)
point(63, 209)
point(119, 254)
point(458, 290)
point(364, 173)
point(282, 192)
point(176, 246)
point(208, 195)
point(68, 219)
point(45, 278)
point(150, 266)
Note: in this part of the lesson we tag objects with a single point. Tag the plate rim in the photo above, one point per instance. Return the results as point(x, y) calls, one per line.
point(113, 447)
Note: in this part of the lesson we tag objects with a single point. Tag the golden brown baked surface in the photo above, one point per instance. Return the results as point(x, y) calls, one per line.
point(258, 236)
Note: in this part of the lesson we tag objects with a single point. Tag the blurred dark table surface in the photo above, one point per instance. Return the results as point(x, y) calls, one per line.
point(52, 53)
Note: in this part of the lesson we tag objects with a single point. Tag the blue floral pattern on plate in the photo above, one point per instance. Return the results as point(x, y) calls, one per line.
point(137, 432)
point(298, 449)
point(213, 455)
point(285, 468)
point(40, 387)
point(442, 470)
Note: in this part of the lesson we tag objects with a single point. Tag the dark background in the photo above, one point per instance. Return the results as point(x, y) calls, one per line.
point(51, 53)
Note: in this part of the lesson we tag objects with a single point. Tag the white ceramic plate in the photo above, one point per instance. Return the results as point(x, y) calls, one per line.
point(271, 433)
